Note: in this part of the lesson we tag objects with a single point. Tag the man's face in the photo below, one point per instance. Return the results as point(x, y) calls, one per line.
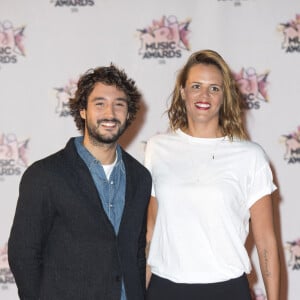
point(106, 114)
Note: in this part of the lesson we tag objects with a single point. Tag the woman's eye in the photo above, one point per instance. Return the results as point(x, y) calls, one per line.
point(195, 86)
point(214, 88)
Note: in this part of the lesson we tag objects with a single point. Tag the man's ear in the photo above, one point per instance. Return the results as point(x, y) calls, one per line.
point(83, 113)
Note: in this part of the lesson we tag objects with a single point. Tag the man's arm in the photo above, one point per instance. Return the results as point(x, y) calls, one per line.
point(152, 212)
point(28, 234)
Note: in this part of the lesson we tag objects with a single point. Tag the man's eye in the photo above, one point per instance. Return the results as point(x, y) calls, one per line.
point(121, 104)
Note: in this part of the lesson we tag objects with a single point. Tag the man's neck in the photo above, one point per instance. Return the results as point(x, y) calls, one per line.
point(105, 153)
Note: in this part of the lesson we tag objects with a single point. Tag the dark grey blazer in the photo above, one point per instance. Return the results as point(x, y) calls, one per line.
point(62, 245)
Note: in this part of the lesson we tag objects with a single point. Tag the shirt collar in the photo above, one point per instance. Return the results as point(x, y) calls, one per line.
point(88, 157)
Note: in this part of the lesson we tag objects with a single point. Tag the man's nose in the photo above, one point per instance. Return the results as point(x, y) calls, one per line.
point(109, 111)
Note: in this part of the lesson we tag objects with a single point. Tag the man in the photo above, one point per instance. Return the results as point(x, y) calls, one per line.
point(79, 228)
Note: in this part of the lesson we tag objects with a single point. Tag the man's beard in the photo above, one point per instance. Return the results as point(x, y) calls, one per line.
point(97, 137)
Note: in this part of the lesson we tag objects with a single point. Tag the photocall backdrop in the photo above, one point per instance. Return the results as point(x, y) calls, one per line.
point(46, 45)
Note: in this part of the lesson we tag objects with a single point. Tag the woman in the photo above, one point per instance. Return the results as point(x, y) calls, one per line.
point(208, 182)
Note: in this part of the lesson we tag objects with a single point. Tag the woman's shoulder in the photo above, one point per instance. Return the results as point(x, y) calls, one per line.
point(251, 148)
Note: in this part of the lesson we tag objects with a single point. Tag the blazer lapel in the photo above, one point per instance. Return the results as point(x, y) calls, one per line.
point(82, 180)
point(129, 193)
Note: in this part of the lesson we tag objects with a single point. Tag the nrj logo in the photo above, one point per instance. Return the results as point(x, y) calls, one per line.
point(63, 94)
point(11, 42)
point(73, 3)
point(292, 146)
point(6, 276)
point(293, 251)
point(166, 38)
point(253, 87)
point(291, 35)
point(13, 155)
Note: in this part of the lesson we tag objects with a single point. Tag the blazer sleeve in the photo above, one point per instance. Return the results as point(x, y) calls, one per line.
point(31, 224)
point(142, 253)
point(146, 186)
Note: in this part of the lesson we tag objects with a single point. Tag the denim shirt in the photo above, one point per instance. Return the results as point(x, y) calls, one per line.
point(112, 191)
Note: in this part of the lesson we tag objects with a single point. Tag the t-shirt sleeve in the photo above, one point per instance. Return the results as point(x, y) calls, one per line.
point(261, 183)
point(148, 162)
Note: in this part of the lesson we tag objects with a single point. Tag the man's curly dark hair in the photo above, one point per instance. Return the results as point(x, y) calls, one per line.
point(110, 75)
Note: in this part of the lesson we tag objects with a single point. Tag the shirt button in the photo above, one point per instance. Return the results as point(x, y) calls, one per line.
point(111, 182)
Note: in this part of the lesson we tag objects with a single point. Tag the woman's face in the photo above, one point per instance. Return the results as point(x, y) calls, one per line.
point(203, 95)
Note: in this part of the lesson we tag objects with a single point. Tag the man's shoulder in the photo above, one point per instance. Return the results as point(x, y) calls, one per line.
point(128, 158)
point(50, 162)
point(43, 167)
point(133, 163)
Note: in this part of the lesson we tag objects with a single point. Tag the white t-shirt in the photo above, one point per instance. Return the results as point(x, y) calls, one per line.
point(204, 188)
point(108, 168)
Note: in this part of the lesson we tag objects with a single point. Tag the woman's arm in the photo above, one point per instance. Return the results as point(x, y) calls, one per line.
point(152, 212)
point(262, 222)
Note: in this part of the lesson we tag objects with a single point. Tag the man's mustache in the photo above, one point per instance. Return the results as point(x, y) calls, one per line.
point(114, 120)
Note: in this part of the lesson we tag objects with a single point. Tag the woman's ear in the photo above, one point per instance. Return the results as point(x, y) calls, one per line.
point(182, 93)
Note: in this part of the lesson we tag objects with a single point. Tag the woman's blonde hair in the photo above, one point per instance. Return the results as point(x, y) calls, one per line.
point(230, 114)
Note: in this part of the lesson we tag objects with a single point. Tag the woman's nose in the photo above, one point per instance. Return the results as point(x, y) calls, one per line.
point(205, 92)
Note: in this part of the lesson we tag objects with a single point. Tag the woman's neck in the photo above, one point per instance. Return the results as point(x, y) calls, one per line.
point(204, 132)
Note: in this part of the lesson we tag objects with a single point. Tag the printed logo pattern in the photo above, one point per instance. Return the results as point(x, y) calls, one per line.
point(258, 294)
point(63, 94)
point(253, 87)
point(13, 155)
point(292, 146)
point(6, 276)
point(293, 250)
point(165, 39)
point(73, 3)
point(235, 2)
point(291, 35)
point(11, 42)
